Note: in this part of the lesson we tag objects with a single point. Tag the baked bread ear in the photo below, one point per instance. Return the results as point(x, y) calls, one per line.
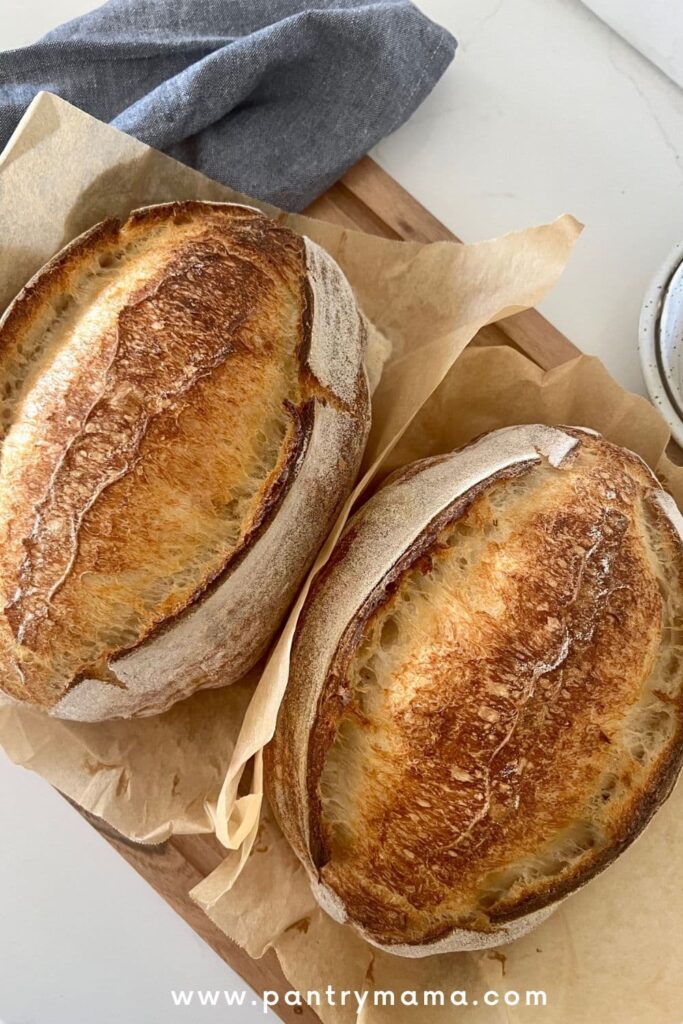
point(184, 410)
point(485, 704)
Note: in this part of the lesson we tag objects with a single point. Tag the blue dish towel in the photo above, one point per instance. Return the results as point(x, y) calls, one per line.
point(276, 98)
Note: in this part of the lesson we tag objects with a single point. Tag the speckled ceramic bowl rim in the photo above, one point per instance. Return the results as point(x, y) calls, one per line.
point(650, 359)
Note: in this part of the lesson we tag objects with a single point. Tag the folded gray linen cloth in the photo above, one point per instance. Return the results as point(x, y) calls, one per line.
point(276, 98)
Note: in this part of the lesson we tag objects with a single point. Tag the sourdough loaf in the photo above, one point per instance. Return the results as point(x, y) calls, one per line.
point(485, 704)
point(184, 409)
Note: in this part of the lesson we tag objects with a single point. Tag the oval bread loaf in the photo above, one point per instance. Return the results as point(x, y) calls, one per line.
point(485, 704)
point(184, 410)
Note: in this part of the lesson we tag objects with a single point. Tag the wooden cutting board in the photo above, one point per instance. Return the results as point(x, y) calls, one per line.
point(370, 200)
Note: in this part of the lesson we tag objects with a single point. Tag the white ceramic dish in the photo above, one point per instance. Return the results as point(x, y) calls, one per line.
point(660, 340)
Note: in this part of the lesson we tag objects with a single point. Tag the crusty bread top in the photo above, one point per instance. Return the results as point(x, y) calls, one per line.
point(503, 710)
point(155, 397)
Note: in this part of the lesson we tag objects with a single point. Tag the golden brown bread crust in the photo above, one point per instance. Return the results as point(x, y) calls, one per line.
point(502, 712)
point(159, 405)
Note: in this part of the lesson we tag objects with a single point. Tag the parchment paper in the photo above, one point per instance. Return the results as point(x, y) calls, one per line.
point(610, 953)
point(62, 172)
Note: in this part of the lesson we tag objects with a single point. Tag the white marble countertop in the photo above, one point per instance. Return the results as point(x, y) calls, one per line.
point(543, 110)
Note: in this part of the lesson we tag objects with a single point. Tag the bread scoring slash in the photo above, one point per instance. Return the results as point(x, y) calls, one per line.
point(485, 704)
point(184, 410)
